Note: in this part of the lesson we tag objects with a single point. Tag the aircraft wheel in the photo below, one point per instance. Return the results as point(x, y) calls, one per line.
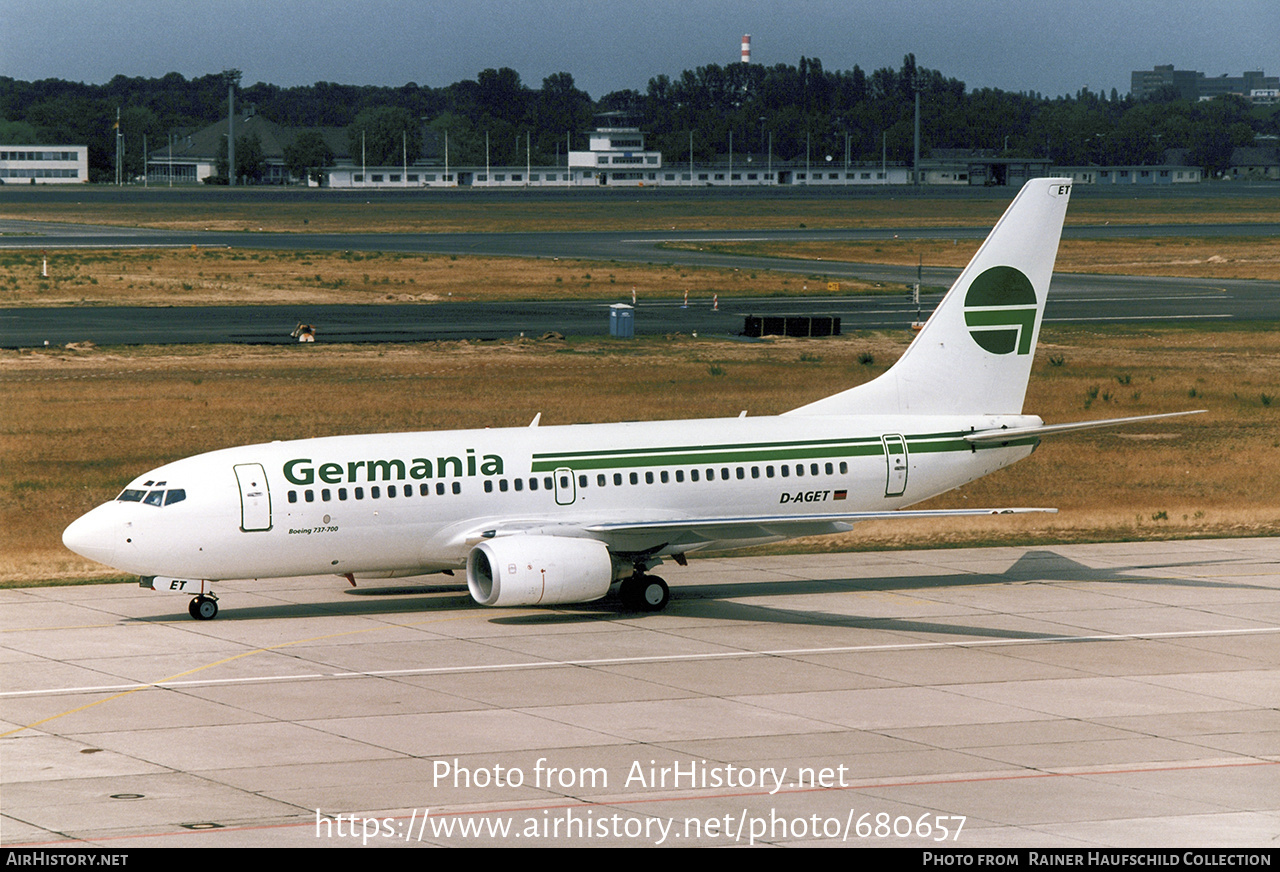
point(655, 594)
point(645, 593)
point(203, 608)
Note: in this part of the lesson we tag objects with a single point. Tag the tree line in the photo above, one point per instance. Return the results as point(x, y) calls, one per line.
point(791, 111)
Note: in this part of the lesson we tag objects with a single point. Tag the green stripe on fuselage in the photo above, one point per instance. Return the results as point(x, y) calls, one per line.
point(752, 452)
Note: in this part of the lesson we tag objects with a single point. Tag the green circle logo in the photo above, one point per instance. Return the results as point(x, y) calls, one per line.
point(1000, 310)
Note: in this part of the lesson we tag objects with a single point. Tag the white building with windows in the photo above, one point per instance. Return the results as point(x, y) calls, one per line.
point(421, 176)
point(615, 155)
point(44, 164)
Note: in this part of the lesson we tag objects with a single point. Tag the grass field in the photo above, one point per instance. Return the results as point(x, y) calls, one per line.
point(637, 209)
point(185, 277)
point(169, 277)
point(79, 424)
point(1235, 257)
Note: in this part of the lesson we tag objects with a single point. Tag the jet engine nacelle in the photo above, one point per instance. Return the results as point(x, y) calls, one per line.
point(538, 571)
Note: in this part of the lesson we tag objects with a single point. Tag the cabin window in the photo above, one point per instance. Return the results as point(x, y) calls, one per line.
point(375, 492)
point(844, 467)
point(799, 469)
point(293, 496)
point(830, 469)
point(308, 495)
point(488, 486)
point(768, 472)
point(665, 476)
point(439, 488)
point(786, 471)
point(582, 481)
point(648, 477)
point(457, 487)
point(502, 485)
point(635, 479)
point(424, 490)
point(679, 475)
point(326, 494)
point(601, 480)
point(693, 475)
point(519, 483)
point(359, 493)
point(342, 493)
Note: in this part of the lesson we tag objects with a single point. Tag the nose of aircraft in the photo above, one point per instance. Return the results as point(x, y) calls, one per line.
point(95, 535)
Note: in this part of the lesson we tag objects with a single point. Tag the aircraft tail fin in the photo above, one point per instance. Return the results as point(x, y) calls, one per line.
point(974, 353)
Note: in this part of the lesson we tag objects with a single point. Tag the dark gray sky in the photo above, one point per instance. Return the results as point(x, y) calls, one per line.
point(1015, 45)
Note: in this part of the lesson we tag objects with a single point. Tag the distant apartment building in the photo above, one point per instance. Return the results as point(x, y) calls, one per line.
point(44, 164)
point(1193, 85)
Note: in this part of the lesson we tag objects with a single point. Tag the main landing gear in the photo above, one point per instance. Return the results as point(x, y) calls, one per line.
point(203, 607)
point(645, 593)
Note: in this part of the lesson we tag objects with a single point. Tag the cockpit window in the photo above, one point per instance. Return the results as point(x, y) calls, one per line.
point(152, 494)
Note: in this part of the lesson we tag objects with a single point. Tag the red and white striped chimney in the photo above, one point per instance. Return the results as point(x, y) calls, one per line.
point(746, 48)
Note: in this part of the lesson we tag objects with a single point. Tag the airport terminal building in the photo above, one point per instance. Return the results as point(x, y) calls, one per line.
point(616, 155)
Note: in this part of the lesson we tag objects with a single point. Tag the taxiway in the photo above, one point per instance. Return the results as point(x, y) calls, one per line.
point(1090, 695)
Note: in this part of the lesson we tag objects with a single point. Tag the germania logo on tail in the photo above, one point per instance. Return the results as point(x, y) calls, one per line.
point(548, 515)
point(1000, 309)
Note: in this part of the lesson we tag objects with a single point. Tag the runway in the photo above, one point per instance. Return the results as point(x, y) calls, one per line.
point(1120, 695)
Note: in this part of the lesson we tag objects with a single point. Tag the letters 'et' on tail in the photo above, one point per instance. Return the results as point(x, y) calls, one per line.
point(974, 354)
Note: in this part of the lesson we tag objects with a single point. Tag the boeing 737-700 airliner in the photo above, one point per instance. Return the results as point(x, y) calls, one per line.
point(558, 514)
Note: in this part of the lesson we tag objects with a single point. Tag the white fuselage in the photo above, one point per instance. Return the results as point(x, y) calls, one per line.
point(413, 503)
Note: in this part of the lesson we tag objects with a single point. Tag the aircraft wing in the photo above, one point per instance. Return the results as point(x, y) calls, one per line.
point(779, 522)
point(692, 533)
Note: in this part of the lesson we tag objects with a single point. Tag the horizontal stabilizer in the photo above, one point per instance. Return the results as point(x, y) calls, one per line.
point(1005, 435)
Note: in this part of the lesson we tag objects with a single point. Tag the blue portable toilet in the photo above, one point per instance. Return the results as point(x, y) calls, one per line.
point(622, 321)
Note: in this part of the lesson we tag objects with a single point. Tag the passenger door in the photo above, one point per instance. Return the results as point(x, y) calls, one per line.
point(255, 497)
point(895, 456)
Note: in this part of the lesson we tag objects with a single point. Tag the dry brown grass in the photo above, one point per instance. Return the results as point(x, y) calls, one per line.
point(79, 424)
point(168, 277)
point(154, 277)
point(1196, 257)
